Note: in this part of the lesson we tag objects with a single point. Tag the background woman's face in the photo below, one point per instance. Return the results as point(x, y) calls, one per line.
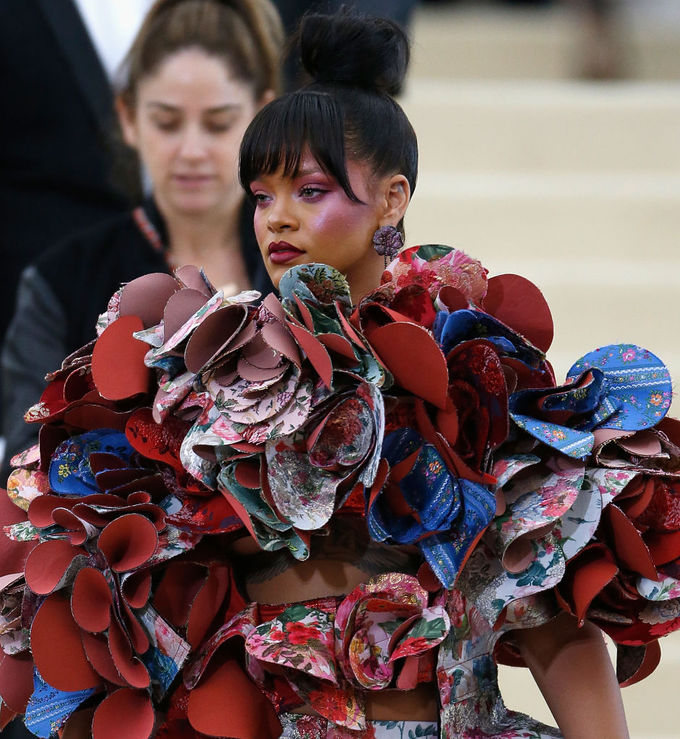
point(187, 125)
point(310, 218)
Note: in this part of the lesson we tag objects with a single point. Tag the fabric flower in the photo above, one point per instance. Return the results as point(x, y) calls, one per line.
point(298, 417)
point(424, 503)
point(602, 391)
point(432, 267)
point(382, 634)
point(367, 624)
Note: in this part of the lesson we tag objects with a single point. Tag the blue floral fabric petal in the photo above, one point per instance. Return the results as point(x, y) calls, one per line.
point(545, 413)
point(48, 708)
point(429, 487)
point(446, 553)
point(638, 383)
point(70, 472)
point(428, 506)
point(450, 329)
point(573, 443)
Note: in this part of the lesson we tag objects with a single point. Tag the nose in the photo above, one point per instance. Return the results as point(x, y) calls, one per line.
point(192, 144)
point(281, 215)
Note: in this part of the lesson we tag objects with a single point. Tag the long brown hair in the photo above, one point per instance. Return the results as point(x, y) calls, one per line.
point(246, 34)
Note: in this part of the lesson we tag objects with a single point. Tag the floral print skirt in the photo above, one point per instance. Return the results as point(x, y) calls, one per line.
point(297, 726)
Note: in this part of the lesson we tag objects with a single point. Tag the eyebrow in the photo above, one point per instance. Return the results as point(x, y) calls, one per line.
point(226, 108)
point(305, 171)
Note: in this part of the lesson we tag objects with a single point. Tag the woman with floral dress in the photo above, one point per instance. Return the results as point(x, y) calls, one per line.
point(329, 514)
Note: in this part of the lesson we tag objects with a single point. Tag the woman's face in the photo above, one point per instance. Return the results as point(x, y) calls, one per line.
point(187, 125)
point(309, 218)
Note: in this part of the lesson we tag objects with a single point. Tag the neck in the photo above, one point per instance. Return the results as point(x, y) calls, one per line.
point(193, 238)
point(365, 275)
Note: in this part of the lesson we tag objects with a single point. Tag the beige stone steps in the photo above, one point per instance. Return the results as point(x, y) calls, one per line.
point(478, 40)
point(545, 126)
point(550, 216)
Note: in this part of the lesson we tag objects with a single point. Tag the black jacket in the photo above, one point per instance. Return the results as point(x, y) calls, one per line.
point(55, 136)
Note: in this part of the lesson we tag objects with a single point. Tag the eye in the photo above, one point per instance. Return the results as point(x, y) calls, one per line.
point(261, 198)
point(218, 127)
point(167, 124)
point(311, 191)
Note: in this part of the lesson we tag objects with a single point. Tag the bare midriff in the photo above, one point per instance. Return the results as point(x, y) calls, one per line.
point(319, 577)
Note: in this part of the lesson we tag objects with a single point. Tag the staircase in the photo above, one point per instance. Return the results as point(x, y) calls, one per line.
point(574, 185)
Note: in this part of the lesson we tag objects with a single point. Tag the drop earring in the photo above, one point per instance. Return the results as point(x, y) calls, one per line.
point(387, 241)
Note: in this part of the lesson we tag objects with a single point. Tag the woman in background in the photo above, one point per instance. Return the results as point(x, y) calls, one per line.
point(195, 76)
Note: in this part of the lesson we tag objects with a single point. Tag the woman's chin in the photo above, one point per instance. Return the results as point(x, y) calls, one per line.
point(196, 205)
point(277, 269)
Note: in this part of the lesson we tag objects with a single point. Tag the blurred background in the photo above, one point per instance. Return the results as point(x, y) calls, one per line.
point(550, 146)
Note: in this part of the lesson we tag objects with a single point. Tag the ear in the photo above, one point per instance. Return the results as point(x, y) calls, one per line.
point(266, 97)
point(126, 118)
point(397, 197)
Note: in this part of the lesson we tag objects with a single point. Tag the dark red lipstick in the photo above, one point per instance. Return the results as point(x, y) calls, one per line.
point(281, 252)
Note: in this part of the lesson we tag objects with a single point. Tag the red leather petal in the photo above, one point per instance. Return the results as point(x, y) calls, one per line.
point(227, 703)
point(137, 589)
point(207, 603)
point(453, 298)
point(212, 335)
point(176, 591)
point(247, 473)
point(128, 542)
point(636, 496)
point(138, 636)
point(47, 564)
point(91, 600)
point(96, 648)
point(16, 680)
point(6, 715)
point(13, 554)
point(397, 345)
point(587, 574)
point(146, 297)
point(347, 327)
point(77, 534)
point(41, 508)
point(130, 667)
point(649, 663)
point(664, 547)
point(125, 713)
point(305, 313)
point(315, 351)
point(57, 647)
point(118, 365)
point(339, 344)
point(518, 303)
point(628, 545)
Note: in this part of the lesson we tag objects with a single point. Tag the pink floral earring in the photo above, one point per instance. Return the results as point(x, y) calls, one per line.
point(387, 241)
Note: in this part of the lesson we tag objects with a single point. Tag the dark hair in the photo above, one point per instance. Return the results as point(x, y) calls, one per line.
point(347, 112)
point(246, 34)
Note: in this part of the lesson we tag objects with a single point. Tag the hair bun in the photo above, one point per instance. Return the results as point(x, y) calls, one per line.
point(350, 49)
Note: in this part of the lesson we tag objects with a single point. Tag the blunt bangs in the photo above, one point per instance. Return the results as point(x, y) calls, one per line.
point(279, 134)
